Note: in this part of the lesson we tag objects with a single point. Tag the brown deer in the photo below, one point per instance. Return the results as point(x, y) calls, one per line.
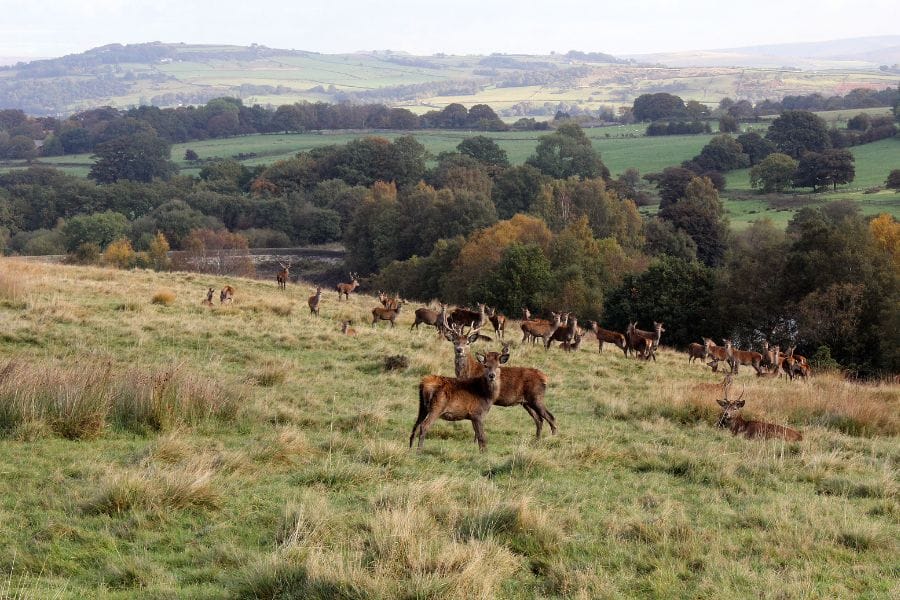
point(455, 399)
point(463, 317)
point(226, 295)
point(429, 317)
point(346, 329)
point(634, 335)
point(696, 351)
point(736, 358)
point(774, 360)
point(610, 337)
point(209, 297)
point(345, 289)
point(564, 333)
point(572, 345)
point(731, 419)
point(717, 353)
point(795, 365)
point(379, 313)
point(540, 328)
point(387, 301)
point(498, 321)
point(519, 385)
point(283, 276)
point(314, 301)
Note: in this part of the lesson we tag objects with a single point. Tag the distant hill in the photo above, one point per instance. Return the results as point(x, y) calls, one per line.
point(854, 53)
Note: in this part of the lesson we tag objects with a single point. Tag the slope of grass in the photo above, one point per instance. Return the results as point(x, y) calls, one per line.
point(308, 489)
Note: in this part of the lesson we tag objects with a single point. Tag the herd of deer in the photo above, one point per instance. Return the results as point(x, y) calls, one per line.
point(480, 381)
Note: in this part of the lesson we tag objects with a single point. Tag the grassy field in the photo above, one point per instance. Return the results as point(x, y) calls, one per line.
point(153, 447)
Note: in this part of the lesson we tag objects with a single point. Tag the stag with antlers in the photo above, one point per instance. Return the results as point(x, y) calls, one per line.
point(732, 419)
point(345, 289)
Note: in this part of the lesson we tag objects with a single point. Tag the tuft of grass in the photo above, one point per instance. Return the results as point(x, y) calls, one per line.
point(163, 298)
point(155, 489)
point(270, 374)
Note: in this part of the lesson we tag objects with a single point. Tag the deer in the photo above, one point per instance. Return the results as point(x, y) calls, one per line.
point(379, 313)
point(283, 276)
point(774, 370)
point(429, 317)
point(345, 289)
point(519, 385)
point(314, 301)
point(226, 295)
point(454, 399)
point(564, 333)
point(469, 318)
point(610, 337)
point(387, 301)
point(795, 365)
point(741, 357)
point(572, 345)
point(633, 334)
point(731, 419)
point(498, 321)
point(716, 352)
point(346, 328)
point(209, 297)
point(696, 351)
point(540, 328)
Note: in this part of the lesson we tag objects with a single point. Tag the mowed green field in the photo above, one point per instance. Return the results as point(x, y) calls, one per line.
point(252, 451)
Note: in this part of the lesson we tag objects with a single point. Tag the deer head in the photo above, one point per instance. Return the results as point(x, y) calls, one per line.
point(729, 408)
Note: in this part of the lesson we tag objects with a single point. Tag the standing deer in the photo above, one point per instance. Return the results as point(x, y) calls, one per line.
point(345, 289)
point(346, 329)
point(731, 419)
point(696, 351)
point(209, 297)
point(774, 370)
point(610, 337)
point(379, 313)
point(387, 301)
point(455, 399)
point(498, 321)
point(463, 317)
point(742, 357)
point(540, 328)
point(314, 301)
point(573, 345)
point(716, 352)
point(564, 333)
point(428, 317)
point(634, 335)
point(519, 385)
point(283, 276)
point(226, 295)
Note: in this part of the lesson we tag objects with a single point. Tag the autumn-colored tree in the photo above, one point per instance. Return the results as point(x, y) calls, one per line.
point(886, 233)
point(119, 254)
point(158, 252)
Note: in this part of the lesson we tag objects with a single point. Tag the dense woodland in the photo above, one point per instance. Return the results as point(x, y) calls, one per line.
point(466, 226)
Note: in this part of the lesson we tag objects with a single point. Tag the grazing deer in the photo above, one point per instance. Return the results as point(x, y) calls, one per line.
point(346, 329)
point(345, 289)
point(429, 317)
point(564, 333)
point(379, 313)
point(519, 385)
point(498, 321)
point(540, 328)
point(209, 297)
point(731, 419)
point(314, 301)
point(455, 399)
point(741, 357)
point(284, 275)
point(226, 295)
point(696, 351)
point(634, 335)
point(574, 344)
point(610, 337)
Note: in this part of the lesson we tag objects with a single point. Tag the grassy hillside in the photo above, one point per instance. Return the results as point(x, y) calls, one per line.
point(174, 450)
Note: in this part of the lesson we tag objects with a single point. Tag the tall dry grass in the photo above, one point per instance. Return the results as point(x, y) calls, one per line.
point(80, 402)
point(12, 288)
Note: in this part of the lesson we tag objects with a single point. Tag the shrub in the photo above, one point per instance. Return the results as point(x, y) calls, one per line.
point(164, 298)
point(119, 254)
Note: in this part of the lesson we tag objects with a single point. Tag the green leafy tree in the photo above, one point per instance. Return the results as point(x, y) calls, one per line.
point(516, 190)
point(795, 132)
point(755, 146)
point(701, 215)
point(522, 278)
point(893, 180)
point(567, 152)
point(141, 157)
point(774, 173)
point(653, 107)
point(671, 184)
point(99, 228)
point(722, 153)
point(664, 239)
point(821, 169)
point(484, 150)
point(728, 124)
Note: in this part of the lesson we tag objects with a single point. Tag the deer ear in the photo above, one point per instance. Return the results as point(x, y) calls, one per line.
point(473, 338)
point(740, 404)
point(480, 358)
point(504, 357)
point(722, 403)
point(448, 335)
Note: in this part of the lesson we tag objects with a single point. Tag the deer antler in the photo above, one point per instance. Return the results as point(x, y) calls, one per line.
point(741, 396)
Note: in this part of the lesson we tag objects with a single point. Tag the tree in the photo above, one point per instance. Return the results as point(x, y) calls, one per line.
point(755, 146)
point(664, 239)
point(696, 110)
point(119, 254)
point(191, 155)
point(158, 252)
point(671, 183)
point(701, 215)
point(797, 131)
point(722, 153)
point(567, 152)
point(860, 122)
point(516, 189)
point(653, 107)
point(99, 228)
point(20, 147)
point(774, 173)
point(522, 278)
point(820, 169)
point(484, 150)
point(893, 180)
point(141, 157)
point(728, 124)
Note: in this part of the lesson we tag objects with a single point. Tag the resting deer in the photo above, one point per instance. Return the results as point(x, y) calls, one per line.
point(540, 328)
point(519, 385)
point(731, 419)
point(696, 351)
point(455, 399)
point(283, 276)
point(610, 337)
point(379, 313)
point(346, 329)
point(209, 297)
point(314, 301)
point(741, 357)
point(226, 295)
point(345, 289)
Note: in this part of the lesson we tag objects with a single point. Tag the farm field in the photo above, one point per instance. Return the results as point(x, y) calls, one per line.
point(252, 451)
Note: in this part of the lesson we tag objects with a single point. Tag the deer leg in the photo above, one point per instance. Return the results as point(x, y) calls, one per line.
point(546, 415)
point(478, 426)
point(538, 421)
point(426, 424)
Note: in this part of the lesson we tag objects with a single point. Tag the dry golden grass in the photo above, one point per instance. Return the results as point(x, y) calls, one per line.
point(155, 489)
point(163, 297)
point(12, 288)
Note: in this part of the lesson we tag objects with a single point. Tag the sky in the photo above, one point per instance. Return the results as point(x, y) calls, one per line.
point(46, 28)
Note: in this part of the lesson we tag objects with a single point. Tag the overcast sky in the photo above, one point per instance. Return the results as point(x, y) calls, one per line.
point(57, 27)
